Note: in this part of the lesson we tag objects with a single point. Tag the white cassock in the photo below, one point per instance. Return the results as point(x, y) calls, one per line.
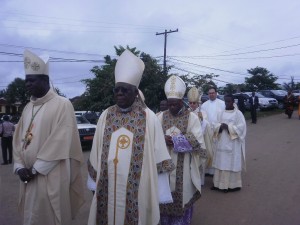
point(230, 152)
point(212, 109)
point(207, 136)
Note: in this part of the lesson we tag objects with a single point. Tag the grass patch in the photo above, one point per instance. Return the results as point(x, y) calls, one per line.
point(264, 113)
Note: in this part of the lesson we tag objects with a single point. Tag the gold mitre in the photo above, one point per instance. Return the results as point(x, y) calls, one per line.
point(35, 65)
point(193, 95)
point(175, 87)
point(129, 69)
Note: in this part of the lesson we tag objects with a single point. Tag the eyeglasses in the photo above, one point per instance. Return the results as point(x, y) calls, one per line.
point(192, 103)
point(211, 93)
point(122, 89)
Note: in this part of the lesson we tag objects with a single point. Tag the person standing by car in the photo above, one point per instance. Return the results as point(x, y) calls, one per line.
point(299, 107)
point(289, 101)
point(47, 152)
point(253, 101)
point(7, 129)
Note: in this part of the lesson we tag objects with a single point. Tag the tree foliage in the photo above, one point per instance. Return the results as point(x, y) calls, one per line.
point(261, 79)
point(16, 92)
point(99, 95)
point(290, 85)
point(202, 82)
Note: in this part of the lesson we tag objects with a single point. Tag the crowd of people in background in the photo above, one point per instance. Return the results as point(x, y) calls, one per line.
point(144, 168)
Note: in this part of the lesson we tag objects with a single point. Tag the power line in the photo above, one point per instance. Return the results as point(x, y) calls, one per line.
point(165, 46)
point(227, 71)
point(241, 53)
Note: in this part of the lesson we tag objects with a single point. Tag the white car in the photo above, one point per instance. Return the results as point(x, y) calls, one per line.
point(86, 129)
point(264, 102)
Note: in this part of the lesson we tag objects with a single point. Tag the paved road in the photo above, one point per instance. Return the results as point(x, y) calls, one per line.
point(271, 185)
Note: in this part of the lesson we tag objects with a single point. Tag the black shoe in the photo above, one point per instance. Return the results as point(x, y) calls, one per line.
point(225, 190)
point(5, 163)
point(209, 175)
point(213, 188)
point(234, 189)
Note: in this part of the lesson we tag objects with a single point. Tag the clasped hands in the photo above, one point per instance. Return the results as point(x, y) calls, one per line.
point(25, 175)
point(169, 140)
point(223, 126)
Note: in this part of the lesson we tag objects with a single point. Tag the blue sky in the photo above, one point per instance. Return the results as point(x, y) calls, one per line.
point(221, 37)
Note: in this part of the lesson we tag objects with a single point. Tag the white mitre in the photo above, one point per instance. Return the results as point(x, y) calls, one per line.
point(35, 65)
point(193, 95)
point(129, 69)
point(175, 87)
point(141, 95)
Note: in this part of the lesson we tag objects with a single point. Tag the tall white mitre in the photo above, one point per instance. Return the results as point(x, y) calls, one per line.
point(35, 65)
point(193, 95)
point(175, 87)
point(129, 69)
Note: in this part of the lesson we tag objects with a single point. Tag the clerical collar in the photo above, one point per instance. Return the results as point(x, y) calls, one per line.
point(125, 110)
point(39, 101)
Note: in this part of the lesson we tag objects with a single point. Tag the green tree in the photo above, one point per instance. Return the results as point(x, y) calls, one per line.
point(58, 91)
point(99, 95)
point(290, 85)
point(200, 81)
point(16, 92)
point(261, 79)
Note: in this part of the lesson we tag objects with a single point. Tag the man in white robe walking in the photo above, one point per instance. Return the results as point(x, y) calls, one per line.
point(129, 162)
point(194, 98)
point(185, 143)
point(47, 152)
point(212, 108)
point(229, 157)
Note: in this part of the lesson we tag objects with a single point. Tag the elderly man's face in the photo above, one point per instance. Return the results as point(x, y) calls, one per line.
point(194, 105)
point(36, 85)
point(163, 105)
point(174, 105)
point(125, 94)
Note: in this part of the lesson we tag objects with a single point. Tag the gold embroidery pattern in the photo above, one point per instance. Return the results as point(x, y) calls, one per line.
point(135, 122)
point(35, 66)
point(177, 208)
point(123, 142)
point(29, 136)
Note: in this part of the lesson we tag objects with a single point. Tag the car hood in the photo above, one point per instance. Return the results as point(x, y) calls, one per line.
point(85, 125)
point(266, 99)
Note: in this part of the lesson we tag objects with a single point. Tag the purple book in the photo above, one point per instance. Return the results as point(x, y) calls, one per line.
point(181, 144)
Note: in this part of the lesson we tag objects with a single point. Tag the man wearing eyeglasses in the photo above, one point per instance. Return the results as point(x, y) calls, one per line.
point(212, 108)
point(129, 161)
point(194, 98)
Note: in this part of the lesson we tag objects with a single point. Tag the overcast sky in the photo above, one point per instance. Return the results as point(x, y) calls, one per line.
point(220, 37)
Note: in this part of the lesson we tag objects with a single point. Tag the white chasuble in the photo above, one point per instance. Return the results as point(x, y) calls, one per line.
point(119, 158)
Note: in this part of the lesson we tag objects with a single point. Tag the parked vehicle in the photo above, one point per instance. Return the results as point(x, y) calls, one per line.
point(204, 98)
point(245, 97)
point(86, 129)
point(277, 94)
point(264, 102)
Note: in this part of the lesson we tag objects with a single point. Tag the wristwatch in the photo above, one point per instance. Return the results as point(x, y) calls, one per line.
point(33, 171)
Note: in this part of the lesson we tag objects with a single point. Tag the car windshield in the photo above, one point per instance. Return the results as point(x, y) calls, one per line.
point(81, 119)
point(259, 95)
point(279, 92)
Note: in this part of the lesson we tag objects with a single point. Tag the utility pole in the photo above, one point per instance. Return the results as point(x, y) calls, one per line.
point(165, 47)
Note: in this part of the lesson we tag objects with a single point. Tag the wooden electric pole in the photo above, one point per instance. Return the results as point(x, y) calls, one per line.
point(165, 47)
